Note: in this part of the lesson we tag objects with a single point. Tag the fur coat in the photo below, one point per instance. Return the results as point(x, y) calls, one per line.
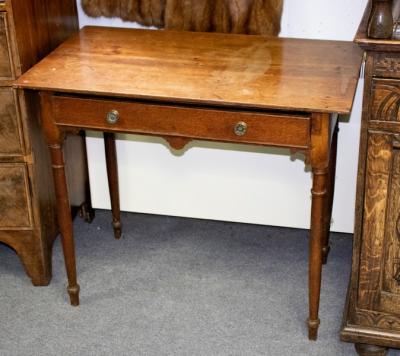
point(229, 16)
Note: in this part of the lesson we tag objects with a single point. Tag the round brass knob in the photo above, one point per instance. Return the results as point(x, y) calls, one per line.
point(240, 128)
point(112, 117)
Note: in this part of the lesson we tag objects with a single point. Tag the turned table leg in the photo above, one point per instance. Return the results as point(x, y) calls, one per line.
point(112, 174)
point(55, 139)
point(330, 193)
point(319, 195)
point(65, 221)
point(370, 350)
point(321, 129)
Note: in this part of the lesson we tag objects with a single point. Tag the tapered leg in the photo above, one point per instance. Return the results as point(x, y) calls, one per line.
point(319, 196)
point(331, 189)
point(65, 221)
point(86, 210)
point(112, 173)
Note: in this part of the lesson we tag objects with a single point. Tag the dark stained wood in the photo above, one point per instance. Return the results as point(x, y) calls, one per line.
point(372, 315)
point(387, 65)
point(247, 71)
point(209, 87)
point(330, 194)
point(380, 24)
point(5, 60)
point(10, 126)
point(385, 101)
point(40, 26)
point(112, 174)
point(15, 209)
point(194, 122)
point(362, 39)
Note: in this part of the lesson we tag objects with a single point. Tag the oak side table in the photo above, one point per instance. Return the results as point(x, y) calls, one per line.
point(184, 86)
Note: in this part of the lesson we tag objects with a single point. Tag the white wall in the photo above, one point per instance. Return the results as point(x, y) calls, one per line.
point(230, 182)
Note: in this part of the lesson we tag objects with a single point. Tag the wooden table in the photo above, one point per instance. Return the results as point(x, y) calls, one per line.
point(184, 86)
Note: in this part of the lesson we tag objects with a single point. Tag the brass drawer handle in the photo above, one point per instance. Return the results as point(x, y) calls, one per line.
point(112, 117)
point(240, 128)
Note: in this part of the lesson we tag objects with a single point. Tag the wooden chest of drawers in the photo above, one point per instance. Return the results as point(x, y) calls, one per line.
point(28, 31)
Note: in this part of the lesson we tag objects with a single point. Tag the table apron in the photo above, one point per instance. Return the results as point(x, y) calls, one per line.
point(215, 124)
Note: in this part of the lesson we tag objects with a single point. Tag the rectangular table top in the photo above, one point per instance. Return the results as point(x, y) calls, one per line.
point(203, 69)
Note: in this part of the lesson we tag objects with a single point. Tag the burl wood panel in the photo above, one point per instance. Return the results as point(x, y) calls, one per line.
point(5, 62)
point(163, 120)
point(15, 209)
point(203, 68)
point(10, 139)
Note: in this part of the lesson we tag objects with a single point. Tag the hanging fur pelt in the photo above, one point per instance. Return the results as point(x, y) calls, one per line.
point(229, 16)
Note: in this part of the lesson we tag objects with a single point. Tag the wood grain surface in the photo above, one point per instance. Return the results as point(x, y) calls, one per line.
point(188, 122)
point(217, 69)
point(15, 210)
point(5, 63)
point(10, 138)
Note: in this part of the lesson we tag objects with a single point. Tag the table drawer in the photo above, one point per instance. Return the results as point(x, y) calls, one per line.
point(5, 62)
point(10, 136)
point(385, 102)
point(180, 121)
point(15, 207)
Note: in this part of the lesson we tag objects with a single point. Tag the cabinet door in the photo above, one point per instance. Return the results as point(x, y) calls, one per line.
point(5, 62)
point(15, 207)
point(378, 299)
point(10, 137)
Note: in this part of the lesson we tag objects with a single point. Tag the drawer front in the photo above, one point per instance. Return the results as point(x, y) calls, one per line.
point(5, 62)
point(10, 137)
point(15, 207)
point(387, 65)
point(178, 121)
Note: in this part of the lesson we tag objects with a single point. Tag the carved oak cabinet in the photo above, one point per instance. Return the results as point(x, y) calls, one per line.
point(29, 29)
point(372, 316)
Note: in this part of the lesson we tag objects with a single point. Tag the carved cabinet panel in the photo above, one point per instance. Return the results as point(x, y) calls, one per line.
point(372, 315)
point(10, 138)
point(385, 100)
point(15, 211)
point(378, 296)
point(387, 65)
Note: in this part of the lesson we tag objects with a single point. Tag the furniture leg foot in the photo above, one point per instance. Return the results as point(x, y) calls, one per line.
point(315, 255)
point(370, 350)
point(73, 292)
point(325, 254)
point(117, 229)
point(86, 212)
point(313, 326)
